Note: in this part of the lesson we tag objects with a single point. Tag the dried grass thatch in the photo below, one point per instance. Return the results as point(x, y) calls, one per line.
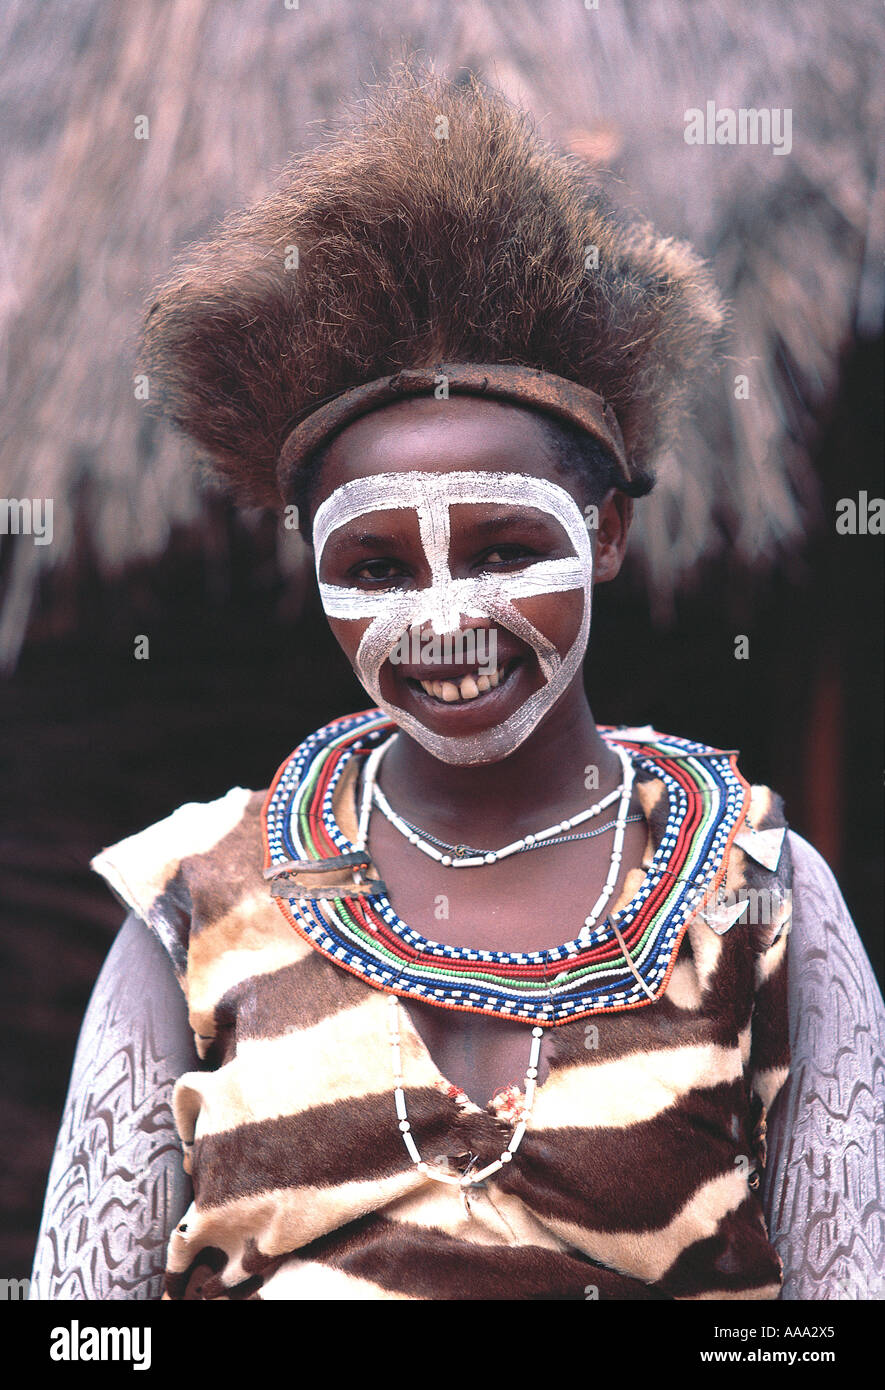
point(91, 217)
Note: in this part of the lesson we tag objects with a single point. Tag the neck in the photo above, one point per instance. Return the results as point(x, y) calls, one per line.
point(545, 779)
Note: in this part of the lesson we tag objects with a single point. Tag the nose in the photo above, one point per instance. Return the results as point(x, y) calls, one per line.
point(451, 607)
point(461, 622)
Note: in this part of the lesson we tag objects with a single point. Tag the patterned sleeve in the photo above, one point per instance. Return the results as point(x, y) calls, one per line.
point(823, 1190)
point(117, 1185)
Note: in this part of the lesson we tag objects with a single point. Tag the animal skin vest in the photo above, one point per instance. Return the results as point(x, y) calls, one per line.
point(638, 1174)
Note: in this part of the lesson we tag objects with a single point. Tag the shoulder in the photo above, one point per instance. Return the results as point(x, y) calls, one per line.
point(205, 862)
point(811, 870)
point(153, 871)
point(711, 776)
point(820, 914)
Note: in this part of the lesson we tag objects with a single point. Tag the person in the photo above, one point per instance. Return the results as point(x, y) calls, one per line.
point(486, 1001)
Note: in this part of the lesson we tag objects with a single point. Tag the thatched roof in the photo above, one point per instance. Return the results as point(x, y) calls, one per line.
point(91, 217)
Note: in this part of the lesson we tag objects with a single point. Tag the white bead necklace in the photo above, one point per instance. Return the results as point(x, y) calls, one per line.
point(463, 861)
point(617, 847)
point(468, 1179)
point(370, 793)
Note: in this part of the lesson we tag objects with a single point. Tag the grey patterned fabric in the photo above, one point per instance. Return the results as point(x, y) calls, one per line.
point(822, 1189)
point(117, 1187)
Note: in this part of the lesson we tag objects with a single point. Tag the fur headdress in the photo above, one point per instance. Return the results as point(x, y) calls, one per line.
point(432, 224)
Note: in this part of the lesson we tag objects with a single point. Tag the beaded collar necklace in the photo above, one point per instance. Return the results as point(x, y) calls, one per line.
point(619, 965)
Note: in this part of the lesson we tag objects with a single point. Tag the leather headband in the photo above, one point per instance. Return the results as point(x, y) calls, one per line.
point(555, 395)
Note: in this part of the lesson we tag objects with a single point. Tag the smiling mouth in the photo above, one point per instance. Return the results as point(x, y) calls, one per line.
point(472, 686)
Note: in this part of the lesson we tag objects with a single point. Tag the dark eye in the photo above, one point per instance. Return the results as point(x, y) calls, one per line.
point(378, 571)
point(503, 556)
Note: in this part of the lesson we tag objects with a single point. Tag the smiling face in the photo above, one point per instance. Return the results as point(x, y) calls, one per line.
point(456, 568)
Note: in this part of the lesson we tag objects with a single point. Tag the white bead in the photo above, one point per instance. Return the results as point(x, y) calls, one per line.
point(506, 1156)
point(404, 1126)
point(484, 1173)
point(532, 1072)
point(529, 839)
point(447, 860)
point(517, 1136)
point(413, 839)
point(491, 858)
point(537, 1032)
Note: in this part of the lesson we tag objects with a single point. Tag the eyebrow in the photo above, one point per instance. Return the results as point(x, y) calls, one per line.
point(527, 521)
point(370, 540)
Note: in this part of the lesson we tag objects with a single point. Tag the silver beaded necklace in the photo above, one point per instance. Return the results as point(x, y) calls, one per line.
point(461, 851)
point(465, 857)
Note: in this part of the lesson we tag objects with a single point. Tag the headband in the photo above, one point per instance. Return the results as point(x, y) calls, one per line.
point(556, 395)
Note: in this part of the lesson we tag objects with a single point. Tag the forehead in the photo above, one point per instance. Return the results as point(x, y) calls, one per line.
point(432, 494)
point(463, 433)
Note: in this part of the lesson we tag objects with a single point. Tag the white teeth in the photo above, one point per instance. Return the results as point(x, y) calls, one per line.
point(467, 688)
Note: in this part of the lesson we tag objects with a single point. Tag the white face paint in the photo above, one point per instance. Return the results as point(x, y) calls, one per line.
point(447, 599)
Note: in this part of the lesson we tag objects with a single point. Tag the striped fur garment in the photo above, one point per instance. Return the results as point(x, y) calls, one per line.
point(637, 1177)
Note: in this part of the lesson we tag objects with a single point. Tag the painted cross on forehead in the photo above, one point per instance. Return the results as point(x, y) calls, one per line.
point(443, 604)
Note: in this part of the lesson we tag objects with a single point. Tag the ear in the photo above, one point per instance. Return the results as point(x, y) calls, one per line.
point(615, 516)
